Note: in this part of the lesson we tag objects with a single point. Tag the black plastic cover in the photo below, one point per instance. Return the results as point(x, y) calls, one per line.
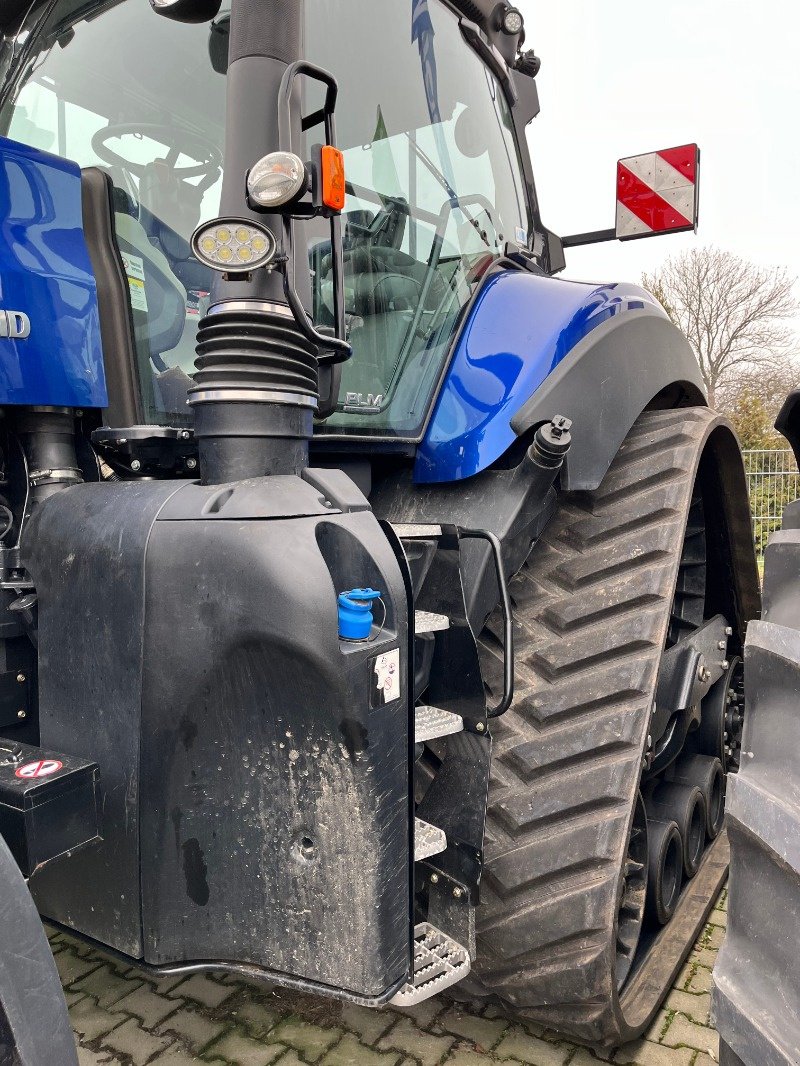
point(258, 776)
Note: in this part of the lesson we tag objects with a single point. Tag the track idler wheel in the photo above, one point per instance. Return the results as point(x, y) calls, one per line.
point(722, 718)
point(665, 869)
point(683, 804)
point(707, 774)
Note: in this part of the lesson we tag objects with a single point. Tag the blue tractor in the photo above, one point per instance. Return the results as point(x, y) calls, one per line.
point(372, 599)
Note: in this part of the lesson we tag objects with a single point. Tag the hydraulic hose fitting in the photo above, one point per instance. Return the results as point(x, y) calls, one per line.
point(551, 443)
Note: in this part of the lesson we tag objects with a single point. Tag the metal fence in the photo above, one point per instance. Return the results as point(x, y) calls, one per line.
point(772, 481)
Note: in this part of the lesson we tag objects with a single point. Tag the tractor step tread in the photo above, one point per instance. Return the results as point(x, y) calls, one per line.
point(430, 723)
point(429, 840)
point(592, 609)
point(429, 622)
point(439, 961)
point(414, 531)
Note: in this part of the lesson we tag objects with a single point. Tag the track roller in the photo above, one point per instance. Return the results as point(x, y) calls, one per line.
point(707, 774)
point(665, 873)
point(685, 805)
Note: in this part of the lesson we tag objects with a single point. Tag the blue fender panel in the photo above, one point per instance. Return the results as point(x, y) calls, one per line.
point(519, 329)
point(46, 274)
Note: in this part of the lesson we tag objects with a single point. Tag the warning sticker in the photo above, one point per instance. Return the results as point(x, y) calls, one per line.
point(134, 269)
point(40, 768)
point(385, 678)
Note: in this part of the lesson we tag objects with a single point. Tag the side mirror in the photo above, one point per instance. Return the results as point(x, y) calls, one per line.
point(658, 193)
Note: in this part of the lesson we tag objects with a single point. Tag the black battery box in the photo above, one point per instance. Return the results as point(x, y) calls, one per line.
point(48, 803)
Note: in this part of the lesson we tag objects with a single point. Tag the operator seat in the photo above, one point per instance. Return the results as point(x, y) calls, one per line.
point(385, 300)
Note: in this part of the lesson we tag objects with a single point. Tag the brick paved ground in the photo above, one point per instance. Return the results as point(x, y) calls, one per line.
point(121, 1018)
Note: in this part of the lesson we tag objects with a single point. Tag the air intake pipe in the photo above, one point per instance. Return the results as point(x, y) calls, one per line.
point(256, 386)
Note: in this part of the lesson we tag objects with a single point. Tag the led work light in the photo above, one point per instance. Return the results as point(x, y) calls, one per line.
point(513, 22)
point(233, 244)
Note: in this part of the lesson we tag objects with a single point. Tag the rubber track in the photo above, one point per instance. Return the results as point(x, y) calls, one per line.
point(592, 608)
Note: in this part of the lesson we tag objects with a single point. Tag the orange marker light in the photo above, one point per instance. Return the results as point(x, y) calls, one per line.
point(333, 190)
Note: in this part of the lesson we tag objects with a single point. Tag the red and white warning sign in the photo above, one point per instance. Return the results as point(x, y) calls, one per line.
point(40, 768)
point(657, 192)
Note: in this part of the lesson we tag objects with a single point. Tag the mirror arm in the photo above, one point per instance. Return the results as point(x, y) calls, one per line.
point(598, 236)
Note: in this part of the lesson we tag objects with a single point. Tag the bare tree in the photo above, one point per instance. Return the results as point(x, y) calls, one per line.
point(733, 312)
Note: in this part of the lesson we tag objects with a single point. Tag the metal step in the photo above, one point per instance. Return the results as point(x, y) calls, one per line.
point(428, 840)
point(433, 722)
point(428, 622)
point(417, 531)
point(439, 962)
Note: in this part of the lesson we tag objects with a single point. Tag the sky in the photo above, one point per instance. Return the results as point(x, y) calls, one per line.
point(621, 79)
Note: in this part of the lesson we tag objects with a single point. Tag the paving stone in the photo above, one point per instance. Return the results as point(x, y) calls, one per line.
point(90, 1021)
point(72, 967)
point(201, 988)
point(106, 985)
point(242, 1050)
point(716, 934)
point(165, 985)
point(256, 1016)
point(177, 1056)
point(701, 980)
point(423, 1013)
point(310, 1040)
point(695, 1005)
point(483, 1032)
point(350, 1052)
point(462, 1057)
point(586, 1058)
point(704, 1060)
point(645, 1053)
point(148, 1007)
point(97, 1058)
point(704, 956)
point(591, 1056)
point(193, 1028)
point(407, 1038)
point(136, 1042)
point(367, 1023)
point(530, 1049)
point(684, 1033)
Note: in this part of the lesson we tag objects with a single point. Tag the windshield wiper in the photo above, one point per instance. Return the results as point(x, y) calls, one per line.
point(448, 188)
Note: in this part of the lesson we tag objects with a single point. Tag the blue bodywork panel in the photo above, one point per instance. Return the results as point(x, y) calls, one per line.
point(46, 274)
point(518, 330)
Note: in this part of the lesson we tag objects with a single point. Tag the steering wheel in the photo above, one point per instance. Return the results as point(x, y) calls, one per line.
point(192, 144)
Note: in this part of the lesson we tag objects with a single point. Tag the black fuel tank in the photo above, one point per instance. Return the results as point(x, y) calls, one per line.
point(251, 767)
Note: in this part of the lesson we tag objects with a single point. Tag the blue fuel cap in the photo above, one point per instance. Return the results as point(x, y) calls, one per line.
point(355, 613)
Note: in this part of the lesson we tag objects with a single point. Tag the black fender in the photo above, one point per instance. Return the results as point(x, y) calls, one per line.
point(34, 1025)
point(625, 365)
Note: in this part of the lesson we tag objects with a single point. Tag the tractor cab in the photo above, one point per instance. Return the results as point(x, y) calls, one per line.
point(436, 182)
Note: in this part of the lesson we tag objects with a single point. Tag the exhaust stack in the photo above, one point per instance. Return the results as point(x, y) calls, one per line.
point(257, 370)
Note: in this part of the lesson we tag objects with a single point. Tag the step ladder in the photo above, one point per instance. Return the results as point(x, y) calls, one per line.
point(430, 723)
point(439, 961)
point(428, 840)
point(428, 622)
